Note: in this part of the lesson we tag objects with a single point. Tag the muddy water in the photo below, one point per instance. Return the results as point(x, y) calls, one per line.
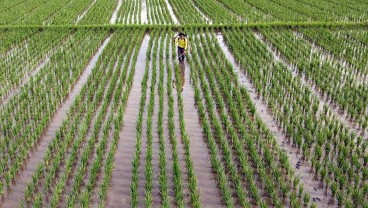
point(114, 15)
point(144, 17)
point(301, 168)
point(337, 111)
point(80, 17)
point(172, 14)
point(13, 196)
point(119, 193)
point(210, 196)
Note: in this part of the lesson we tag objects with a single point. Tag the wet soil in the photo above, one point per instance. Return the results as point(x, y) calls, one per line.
point(16, 192)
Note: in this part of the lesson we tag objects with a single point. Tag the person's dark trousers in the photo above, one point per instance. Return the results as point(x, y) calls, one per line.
point(181, 55)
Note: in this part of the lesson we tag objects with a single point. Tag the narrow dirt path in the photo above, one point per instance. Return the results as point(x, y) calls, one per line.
point(337, 111)
point(17, 191)
point(119, 194)
point(210, 196)
point(301, 168)
point(114, 15)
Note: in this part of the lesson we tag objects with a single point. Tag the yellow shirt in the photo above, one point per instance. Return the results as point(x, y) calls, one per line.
point(181, 42)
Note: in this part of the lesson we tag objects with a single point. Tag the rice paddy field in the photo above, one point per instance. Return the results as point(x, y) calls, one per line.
point(269, 108)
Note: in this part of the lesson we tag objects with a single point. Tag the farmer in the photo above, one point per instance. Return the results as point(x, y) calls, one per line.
point(182, 43)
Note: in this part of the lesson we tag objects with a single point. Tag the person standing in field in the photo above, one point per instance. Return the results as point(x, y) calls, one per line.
point(182, 43)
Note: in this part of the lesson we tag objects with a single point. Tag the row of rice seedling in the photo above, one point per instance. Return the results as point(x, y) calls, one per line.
point(70, 135)
point(327, 11)
point(185, 139)
point(337, 81)
point(28, 113)
point(20, 12)
point(160, 73)
point(99, 13)
point(7, 4)
point(40, 13)
point(11, 39)
point(336, 156)
point(351, 49)
point(22, 60)
point(130, 12)
point(247, 148)
point(82, 141)
point(246, 11)
point(158, 12)
point(182, 8)
point(358, 5)
point(217, 12)
point(68, 13)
